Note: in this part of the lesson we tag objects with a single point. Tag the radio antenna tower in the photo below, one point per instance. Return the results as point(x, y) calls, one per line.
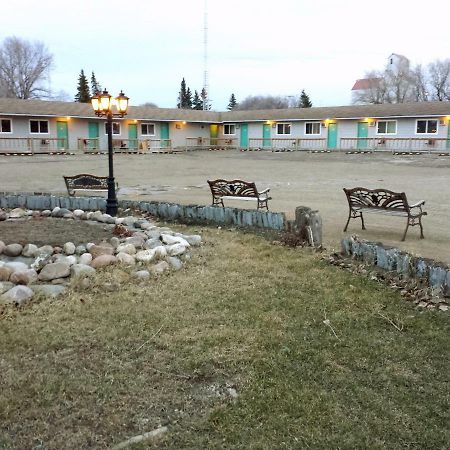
point(205, 93)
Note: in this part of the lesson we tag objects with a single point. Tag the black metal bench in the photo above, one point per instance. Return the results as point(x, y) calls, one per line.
point(237, 190)
point(362, 200)
point(85, 182)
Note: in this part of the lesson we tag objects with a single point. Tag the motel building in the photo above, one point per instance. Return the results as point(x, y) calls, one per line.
point(36, 127)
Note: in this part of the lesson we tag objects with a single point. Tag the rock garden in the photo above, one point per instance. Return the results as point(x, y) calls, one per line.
point(40, 251)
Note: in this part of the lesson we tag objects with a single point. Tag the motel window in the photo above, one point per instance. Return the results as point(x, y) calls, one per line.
point(5, 126)
point(312, 128)
point(426, 127)
point(283, 128)
point(115, 128)
point(229, 129)
point(387, 127)
point(39, 126)
point(147, 129)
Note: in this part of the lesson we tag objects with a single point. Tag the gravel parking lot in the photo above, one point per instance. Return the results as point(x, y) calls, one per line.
point(295, 178)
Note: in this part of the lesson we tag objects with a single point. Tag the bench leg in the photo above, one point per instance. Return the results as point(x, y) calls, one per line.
point(406, 230)
point(348, 221)
point(421, 228)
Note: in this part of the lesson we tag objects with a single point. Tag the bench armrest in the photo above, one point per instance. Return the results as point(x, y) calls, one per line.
point(416, 205)
point(264, 191)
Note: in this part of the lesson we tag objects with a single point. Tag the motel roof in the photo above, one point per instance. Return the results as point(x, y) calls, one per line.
point(41, 108)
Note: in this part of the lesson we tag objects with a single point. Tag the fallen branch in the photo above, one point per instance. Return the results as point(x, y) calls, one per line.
point(327, 322)
point(141, 438)
point(391, 322)
point(148, 340)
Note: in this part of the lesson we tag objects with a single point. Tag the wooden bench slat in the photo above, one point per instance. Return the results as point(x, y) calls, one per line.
point(237, 190)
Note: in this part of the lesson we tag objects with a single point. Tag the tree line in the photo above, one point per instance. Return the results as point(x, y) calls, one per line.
point(401, 83)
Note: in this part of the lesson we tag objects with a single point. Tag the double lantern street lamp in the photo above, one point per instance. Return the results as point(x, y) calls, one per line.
point(103, 107)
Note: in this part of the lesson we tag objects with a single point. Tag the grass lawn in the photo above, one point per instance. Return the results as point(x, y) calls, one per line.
point(302, 344)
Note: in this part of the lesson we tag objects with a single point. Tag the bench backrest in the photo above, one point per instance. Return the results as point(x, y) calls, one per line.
point(376, 198)
point(232, 188)
point(86, 181)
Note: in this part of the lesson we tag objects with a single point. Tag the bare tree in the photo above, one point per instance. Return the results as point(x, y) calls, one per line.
point(263, 102)
point(420, 81)
point(399, 81)
point(150, 105)
point(24, 68)
point(440, 79)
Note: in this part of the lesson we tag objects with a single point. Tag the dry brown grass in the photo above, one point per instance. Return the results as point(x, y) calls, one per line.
point(117, 359)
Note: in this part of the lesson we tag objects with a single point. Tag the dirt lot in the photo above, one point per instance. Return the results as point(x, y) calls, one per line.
point(314, 180)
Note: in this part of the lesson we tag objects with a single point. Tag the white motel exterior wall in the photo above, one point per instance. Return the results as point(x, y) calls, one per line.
point(180, 130)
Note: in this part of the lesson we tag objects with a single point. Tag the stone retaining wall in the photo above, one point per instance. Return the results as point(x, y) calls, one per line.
point(166, 211)
point(436, 275)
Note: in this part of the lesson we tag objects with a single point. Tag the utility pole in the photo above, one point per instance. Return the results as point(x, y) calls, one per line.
point(205, 59)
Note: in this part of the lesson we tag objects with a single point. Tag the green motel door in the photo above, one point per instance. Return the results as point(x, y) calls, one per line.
point(448, 135)
point(332, 136)
point(62, 133)
point(213, 134)
point(132, 136)
point(164, 135)
point(363, 132)
point(266, 135)
point(244, 135)
point(93, 133)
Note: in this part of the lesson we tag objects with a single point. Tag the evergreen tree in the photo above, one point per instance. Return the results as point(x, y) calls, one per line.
point(204, 96)
point(233, 103)
point(96, 88)
point(182, 95)
point(305, 102)
point(188, 100)
point(197, 102)
point(83, 95)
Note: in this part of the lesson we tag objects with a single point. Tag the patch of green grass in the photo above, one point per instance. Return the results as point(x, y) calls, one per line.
point(307, 347)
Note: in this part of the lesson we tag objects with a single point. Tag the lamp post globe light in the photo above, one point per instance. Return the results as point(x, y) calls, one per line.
point(103, 107)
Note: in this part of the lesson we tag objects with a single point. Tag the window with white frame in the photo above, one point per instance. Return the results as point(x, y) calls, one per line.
point(5, 126)
point(387, 127)
point(312, 128)
point(115, 128)
point(427, 126)
point(229, 129)
point(283, 128)
point(39, 126)
point(147, 129)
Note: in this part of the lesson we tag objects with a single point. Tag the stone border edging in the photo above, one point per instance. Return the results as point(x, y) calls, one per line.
point(436, 275)
point(163, 210)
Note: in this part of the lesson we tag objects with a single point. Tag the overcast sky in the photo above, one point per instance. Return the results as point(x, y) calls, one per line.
point(256, 47)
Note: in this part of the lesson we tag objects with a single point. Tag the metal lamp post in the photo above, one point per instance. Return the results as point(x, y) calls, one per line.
point(103, 106)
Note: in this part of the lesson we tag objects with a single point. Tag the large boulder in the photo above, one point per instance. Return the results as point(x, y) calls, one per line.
point(104, 248)
point(13, 250)
point(5, 273)
point(16, 266)
point(126, 248)
point(174, 262)
point(54, 270)
point(145, 255)
point(29, 250)
point(103, 261)
point(85, 258)
point(126, 259)
point(81, 270)
point(17, 213)
point(170, 240)
point(49, 290)
point(176, 249)
point(24, 277)
point(159, 268)
point(69, 248)
point(18, 295)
